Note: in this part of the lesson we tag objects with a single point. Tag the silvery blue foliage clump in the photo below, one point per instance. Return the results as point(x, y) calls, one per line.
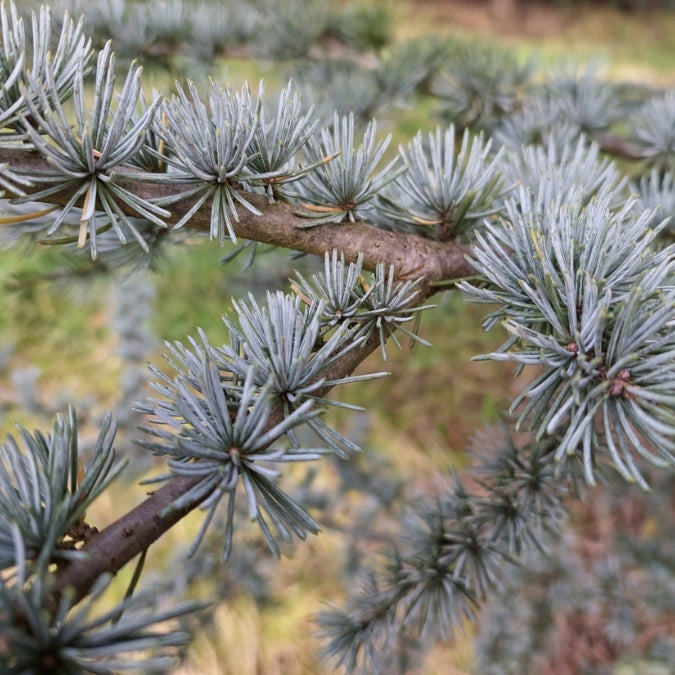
point(377, 306)
point(45, 489)
point(539, 121)
point(134, 634)
point(411, 65)
point(588, 298)
point(480, 83)
point(339, 289)
point(560, 173)
point(656, 192)
point(344, 187)
point(586, 100)
point(291, 27)
point(389, 306)
point(58, 71)
point(654, 129)
point(86, 159)
point(278, 141)
point(221, 433)
point(339, 86)
point(217, 146)
point(453, 553)
point(208, 146)
point(283, 340)
point(129, 24)
point(444, 193)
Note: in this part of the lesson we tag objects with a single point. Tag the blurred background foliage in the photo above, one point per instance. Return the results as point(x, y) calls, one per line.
point(74, 331)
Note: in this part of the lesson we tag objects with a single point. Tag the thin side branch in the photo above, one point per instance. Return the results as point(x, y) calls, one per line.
point(619, 147)
point(113, 547)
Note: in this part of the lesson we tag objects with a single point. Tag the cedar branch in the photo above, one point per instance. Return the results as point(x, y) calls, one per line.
point(412, 256)
point(113, 547)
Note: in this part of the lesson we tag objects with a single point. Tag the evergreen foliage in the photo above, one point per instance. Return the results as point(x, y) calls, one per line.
point(46, 490)
point(345, 187)
point(443, 192)
point(84, 158)
point(515, 202)
point(654, 129)
point(482, 85)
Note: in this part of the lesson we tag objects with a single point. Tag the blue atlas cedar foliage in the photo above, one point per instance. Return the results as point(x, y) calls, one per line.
point(344, 188)
point(444, 193)
point(653, 126)
point(45, 488)
point(85, 158)
point(586, 296)
point(205, 441)
point(580, 282)
point(136, 633)
point(452, 552)
point(208, 148)
point(45, 62)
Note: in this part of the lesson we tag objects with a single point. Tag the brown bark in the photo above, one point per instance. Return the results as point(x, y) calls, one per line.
point(412, 256)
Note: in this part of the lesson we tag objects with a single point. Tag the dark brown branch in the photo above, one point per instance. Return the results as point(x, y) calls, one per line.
point(412, 256)
point(619, 147)
point(112, 548)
